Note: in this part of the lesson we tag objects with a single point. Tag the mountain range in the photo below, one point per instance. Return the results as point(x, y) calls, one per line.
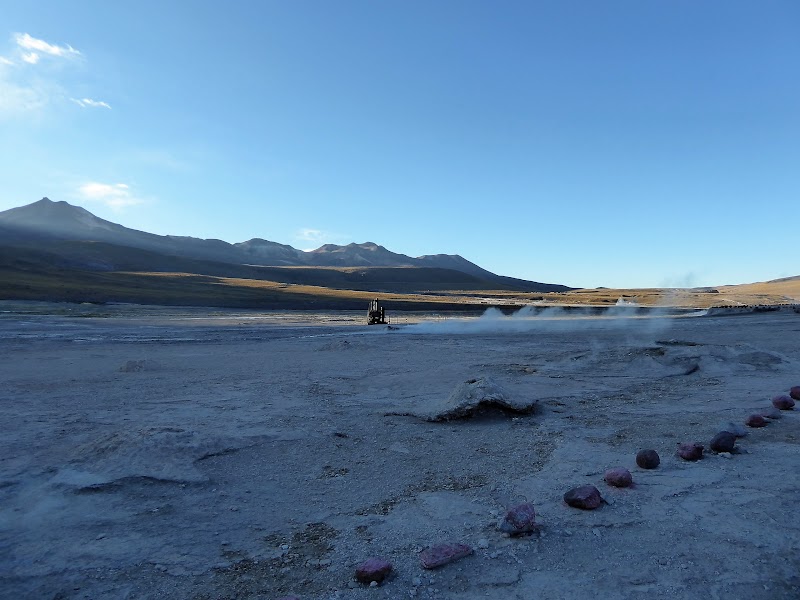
point(55, 238)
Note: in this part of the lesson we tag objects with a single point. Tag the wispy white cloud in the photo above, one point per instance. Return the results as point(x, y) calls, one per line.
point(113, 195)
point(28, 87)
point(309, 238)
point(89, 103)
point(311, 235)
point(37, 47)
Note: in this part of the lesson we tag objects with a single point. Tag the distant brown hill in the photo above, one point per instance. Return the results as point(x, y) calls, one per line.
point(45, 225)
point(56, 251)
point(59, 252)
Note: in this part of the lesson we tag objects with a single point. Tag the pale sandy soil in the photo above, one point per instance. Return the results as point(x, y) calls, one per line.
point(199, 455)
point(778, 292)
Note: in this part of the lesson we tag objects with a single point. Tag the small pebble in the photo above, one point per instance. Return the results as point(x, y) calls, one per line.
point(647, 459)
point(794, 393)
point(483, 544)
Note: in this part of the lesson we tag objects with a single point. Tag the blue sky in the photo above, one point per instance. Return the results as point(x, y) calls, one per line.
point(614, 143)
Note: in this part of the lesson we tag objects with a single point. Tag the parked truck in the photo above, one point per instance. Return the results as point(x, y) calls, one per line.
point(376, 314)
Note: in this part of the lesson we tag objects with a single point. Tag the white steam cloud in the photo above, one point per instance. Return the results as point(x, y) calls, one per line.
point(531, 319)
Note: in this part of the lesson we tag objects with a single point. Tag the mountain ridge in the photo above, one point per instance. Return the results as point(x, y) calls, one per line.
point(58, 220)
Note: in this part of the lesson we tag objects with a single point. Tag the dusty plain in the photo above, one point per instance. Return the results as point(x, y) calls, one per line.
point(217, 454)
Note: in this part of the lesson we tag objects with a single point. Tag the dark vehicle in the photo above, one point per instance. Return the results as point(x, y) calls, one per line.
point(376, 314)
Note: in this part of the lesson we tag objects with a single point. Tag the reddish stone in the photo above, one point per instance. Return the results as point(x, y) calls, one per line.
point(783, 402)
point(756, 421)
point(647, 459)
point(690, 451)
point(373, 569)
point(519, 520)
point(724, 441)
point(586, 497)
point(795, 392)
point(618, 477)
point(441, 554)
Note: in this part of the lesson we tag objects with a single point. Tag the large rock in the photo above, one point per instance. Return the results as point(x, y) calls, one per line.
point(783, 402)
point(441, 554)
point(648, 459)
point(724, 441)
point(690, 451)
point(586, 497)
point(373, 569)
point(756, 421)
point(519, 520)
point(619, 477)
point(471, 397)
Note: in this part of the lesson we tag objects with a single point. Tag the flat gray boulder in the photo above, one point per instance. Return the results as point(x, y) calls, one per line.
point(471, 397)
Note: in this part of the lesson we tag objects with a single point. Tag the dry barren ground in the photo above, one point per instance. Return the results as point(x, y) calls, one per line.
point(777, 292)
point(162, 456)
